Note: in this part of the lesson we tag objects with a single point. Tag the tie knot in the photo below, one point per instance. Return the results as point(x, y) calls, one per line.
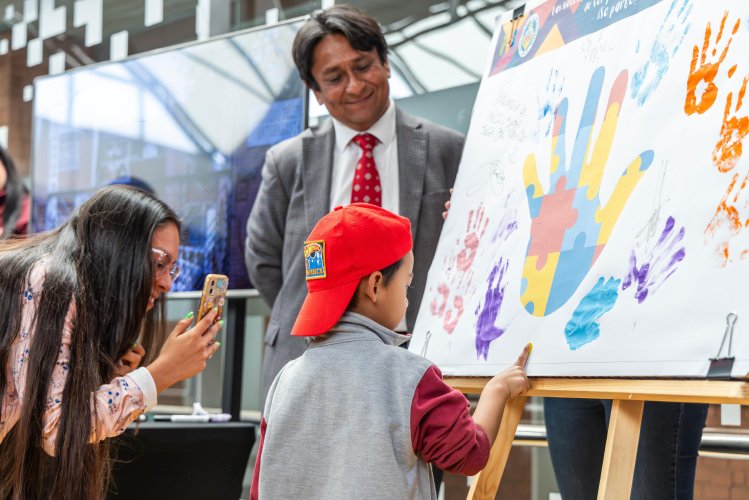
point(365, 141)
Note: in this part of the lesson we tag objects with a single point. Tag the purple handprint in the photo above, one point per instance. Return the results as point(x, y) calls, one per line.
point(659, 263)
point(486, 330)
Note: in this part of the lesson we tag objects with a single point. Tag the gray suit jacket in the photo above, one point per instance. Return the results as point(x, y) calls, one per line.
point(295, 194)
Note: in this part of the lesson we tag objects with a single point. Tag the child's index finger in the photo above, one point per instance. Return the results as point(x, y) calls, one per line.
point(523, 358)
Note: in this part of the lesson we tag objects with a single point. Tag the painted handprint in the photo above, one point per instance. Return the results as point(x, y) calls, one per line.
point(734, 130)
point(569, 226)
point(583, 327)
point(667, 42)
point(658, 263)
point(448, 304)
point(486, 329)
point(730, 219)
point(701, 79)
point(548, 100)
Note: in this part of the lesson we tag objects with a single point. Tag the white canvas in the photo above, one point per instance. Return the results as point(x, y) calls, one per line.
point(612, 234)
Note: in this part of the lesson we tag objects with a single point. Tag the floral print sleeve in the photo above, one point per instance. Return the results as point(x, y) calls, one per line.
point(113, 405)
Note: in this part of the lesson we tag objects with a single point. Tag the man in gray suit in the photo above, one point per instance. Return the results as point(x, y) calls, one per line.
point(369, 147)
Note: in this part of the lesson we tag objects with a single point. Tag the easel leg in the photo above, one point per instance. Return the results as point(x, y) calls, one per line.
point(621, 450)
point(486, 482)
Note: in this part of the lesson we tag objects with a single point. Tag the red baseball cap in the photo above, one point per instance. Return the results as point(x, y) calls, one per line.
point(345, 246)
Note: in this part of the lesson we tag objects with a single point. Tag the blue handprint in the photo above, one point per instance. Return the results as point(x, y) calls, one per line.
point(667, 42)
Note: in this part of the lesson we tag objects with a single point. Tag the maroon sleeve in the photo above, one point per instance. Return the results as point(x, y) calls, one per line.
point(442, 429)
point(256, 473)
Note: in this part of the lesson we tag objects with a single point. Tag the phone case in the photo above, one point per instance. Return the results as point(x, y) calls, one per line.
point(214, 294)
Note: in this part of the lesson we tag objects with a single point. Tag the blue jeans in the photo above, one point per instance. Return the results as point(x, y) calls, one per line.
point(666, 456)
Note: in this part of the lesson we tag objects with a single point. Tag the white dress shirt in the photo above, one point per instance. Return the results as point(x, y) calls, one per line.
point(347, 154)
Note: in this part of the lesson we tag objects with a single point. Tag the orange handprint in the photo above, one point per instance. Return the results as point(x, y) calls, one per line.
point(729, 147)
point(707, 71)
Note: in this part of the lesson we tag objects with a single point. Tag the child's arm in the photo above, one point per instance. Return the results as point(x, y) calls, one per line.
point(442, 429)
point(498, 390)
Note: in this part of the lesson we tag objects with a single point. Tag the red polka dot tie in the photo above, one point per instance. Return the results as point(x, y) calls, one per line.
point(366, 186)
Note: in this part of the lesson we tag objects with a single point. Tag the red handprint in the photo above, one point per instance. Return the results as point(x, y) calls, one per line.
point(707, 71)
point(474, 232)
point(448, 303)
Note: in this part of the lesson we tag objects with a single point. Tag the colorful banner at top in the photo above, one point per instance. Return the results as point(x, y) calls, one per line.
point(556, 23)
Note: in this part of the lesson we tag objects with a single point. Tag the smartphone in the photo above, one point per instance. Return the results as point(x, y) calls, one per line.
point(214, 294)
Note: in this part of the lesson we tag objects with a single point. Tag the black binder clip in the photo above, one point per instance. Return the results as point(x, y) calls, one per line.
point(720, 368)
point(516, 14)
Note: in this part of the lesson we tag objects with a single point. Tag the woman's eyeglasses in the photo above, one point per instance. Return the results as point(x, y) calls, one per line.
point(162, 263)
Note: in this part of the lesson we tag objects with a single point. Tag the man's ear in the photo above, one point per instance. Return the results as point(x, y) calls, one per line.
point(317, 94)
point(373, 286)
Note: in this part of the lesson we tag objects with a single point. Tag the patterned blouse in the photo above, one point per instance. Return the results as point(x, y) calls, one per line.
point(113, 406)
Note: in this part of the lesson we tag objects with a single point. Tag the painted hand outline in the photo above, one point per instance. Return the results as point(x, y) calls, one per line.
point(448, 304)
point(475, 229)
point(730, 220)
point(733, 131)
point(569, 227)
point(667, 41)
point(659, 263)
point(707, 71)
point(548, 101)
point(486, 329)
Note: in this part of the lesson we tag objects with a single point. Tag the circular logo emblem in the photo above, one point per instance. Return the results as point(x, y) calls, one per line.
point(528, 36)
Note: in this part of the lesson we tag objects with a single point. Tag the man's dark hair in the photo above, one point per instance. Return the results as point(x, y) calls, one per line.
point(359, 28)
point(387, 275)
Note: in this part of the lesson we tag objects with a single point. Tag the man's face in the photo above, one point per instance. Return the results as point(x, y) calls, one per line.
point(353, 85)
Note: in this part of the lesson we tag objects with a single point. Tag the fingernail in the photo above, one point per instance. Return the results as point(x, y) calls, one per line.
point(215, 309)
point(530, 347)
point(218, 343)
point(133, 345)
point(222, 322)
point(189, 315)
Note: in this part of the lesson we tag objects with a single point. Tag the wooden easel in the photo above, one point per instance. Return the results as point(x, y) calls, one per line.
point(628, 397)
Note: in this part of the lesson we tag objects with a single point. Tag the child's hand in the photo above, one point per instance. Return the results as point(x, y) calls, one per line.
point(514, 380)
point(505, 385)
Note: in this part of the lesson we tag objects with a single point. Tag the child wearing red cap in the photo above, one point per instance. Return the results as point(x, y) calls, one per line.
point(355, 416)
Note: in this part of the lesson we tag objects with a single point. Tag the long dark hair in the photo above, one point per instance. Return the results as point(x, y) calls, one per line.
point(100, 259)
point(15, 191)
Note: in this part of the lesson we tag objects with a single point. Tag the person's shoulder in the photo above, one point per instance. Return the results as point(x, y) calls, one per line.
point(429, 127)
point(409, 360)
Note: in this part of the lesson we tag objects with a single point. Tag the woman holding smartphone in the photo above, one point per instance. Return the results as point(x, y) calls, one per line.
point(73, 303)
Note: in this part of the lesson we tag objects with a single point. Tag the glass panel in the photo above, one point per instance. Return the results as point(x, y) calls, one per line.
point(193, 122)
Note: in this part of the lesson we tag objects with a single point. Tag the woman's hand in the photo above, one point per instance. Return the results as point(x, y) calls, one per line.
point(186, 352)
point(129, 361)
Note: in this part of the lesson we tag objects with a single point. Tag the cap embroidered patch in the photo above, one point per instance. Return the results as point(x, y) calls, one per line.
point(314, 260)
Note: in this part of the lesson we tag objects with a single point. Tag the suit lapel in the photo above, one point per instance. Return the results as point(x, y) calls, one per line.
point(412, 144)
point(317, 168)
